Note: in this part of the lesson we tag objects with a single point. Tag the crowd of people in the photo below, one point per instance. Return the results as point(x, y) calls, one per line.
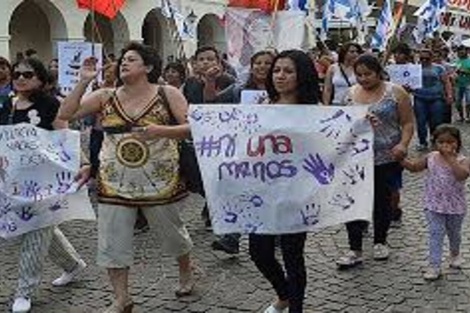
point(141, 103)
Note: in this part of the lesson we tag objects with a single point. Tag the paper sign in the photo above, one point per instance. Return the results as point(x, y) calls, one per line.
point(254, 97)
point(406, 75)
point(275, 169)
point(71, 56)
point(37, 186)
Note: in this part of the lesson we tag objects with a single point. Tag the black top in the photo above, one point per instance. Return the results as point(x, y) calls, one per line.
point(41, 114)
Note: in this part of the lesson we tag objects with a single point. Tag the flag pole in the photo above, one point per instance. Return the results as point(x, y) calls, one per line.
point(273, 23)
point(388, 49)
point(93, 21)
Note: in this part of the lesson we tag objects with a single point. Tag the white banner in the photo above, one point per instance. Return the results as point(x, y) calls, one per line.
point(254, 97)
point(249, 31)
point(37, 187)
point(409, 75)
point(284, 169)
point(71, 56)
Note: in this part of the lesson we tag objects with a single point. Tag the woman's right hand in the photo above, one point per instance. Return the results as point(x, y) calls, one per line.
point(373, 119)
point(88, 71)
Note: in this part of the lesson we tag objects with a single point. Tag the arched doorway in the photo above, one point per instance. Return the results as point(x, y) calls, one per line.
point(152, 34)
point(113, 34)
point(38, 25)
point(210, 32)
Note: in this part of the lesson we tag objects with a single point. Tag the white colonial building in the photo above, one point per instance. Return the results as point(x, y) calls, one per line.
point(40, 24)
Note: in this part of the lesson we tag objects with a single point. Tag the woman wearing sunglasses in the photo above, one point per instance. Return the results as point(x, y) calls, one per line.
point(32, 105)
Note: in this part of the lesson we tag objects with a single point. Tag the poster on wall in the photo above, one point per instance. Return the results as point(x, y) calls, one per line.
point(273, 169)
point(71, 56)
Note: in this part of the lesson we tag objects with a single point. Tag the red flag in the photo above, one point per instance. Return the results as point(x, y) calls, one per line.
point(108, 8)
point(265, 5)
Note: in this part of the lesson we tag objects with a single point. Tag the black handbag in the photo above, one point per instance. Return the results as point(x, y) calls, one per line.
point(189, 167)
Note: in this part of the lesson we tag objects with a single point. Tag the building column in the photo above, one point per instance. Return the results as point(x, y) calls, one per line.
point(5, 46)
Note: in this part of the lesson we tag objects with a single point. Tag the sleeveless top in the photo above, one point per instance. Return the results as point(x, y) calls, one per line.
point(340, 84)
point(135, 172)
point(388, 133)
point(443, 193)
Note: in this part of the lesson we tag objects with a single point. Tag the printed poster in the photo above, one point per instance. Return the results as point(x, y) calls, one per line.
point(410, 75)
point(71, 56)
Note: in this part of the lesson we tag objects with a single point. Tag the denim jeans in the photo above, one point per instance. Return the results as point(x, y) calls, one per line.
point(462, 95)
point(429, 113)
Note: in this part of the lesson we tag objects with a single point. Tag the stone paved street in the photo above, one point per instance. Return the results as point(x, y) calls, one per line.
point(231, 284)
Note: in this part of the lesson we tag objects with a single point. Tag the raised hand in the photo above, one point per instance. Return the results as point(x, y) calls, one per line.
point(315, 166)
point(89, 71)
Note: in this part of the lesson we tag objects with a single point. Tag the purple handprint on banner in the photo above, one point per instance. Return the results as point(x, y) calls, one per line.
point(26, 213)
point(333, 126)
point(310, 214)
point(65, 181)
point(31, 190)
point(355, 174)
point(316, 166)
point(355, 147)
point(344, 201)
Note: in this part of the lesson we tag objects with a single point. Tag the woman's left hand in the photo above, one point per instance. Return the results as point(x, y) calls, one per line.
point(399, 152)
point(83, 176)
point(149, 132)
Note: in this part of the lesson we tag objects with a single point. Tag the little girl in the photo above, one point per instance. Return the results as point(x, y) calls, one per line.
point(444, 196)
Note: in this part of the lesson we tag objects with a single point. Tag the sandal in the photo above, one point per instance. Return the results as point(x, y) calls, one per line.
point(186, 286)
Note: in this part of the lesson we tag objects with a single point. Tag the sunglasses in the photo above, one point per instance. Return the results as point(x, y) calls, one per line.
point(26, 75)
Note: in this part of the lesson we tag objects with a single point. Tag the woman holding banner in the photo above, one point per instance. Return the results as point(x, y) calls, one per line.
point(392, 117)
point(260, 64)
point(142, 122)
point(31, 104)
point(290, 81)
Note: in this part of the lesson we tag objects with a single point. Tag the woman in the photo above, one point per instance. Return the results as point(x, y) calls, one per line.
point(138, 164)
point(391, 113)
point(175, 74)
point(260, 64)
point(259, 67)
point(340, 77)
point(290, 81)
point(432, 99)
point(33, 105)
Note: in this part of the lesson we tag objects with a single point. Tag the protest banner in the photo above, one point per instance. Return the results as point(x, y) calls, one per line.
point(275, 169)
point(254, 97)
point(37, 186)
point(71, 56)
point(249, 31)
point(409, 75)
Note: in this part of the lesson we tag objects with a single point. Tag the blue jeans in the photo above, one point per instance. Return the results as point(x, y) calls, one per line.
point(429, 113)
point(462, 95)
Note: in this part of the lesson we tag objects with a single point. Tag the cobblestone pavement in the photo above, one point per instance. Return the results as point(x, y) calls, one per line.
point(231, 284)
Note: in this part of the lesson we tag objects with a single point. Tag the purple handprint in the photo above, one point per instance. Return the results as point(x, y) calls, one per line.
point(344, 201)
point(26, 213)
point(65, 181)
point(310, 214)
point(315, 166)
point(31, 189)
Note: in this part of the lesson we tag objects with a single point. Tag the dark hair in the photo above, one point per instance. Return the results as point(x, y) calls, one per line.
point(177, 66)
point(41, 73)
point(250, 83)
point(372, 63)
point(205, 49)
point(447, 129)
point(345, 48)
point(402, 48)
point(308, 89)
point(5, 62)
point(30, 52)
point(150, 57)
